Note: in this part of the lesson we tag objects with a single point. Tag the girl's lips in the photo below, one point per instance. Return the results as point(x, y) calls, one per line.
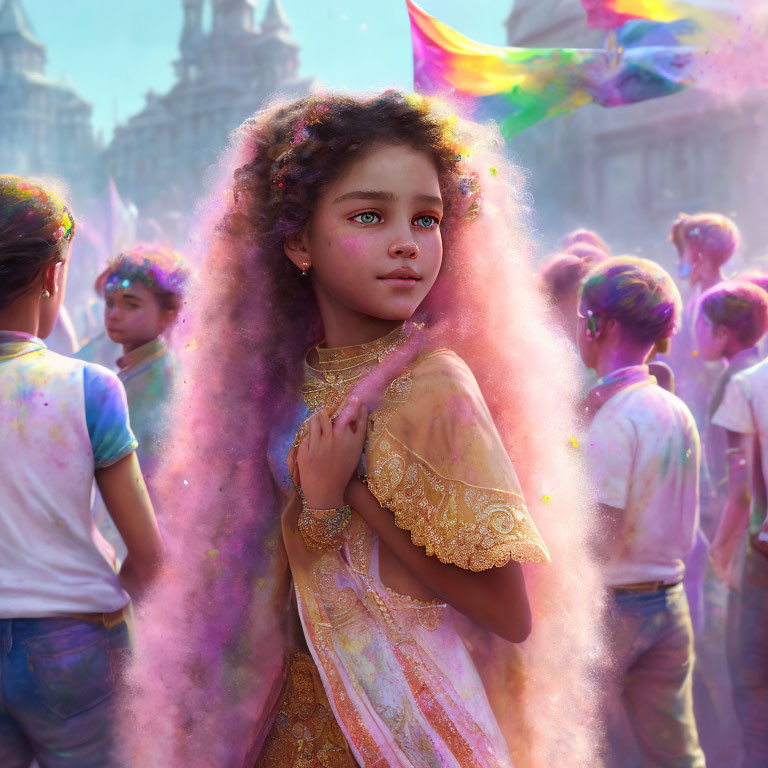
point(400, 282)
point(402, 273)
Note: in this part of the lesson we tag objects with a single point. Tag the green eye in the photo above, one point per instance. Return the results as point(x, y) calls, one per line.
point(425, 221)
point(367, 217)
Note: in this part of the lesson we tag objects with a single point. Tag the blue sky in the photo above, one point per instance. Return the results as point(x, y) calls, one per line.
point(114, 51)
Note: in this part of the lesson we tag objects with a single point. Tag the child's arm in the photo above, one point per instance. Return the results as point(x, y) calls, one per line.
point(125, 496)
point(735, 517)
point(760, 541)
point(495, 598)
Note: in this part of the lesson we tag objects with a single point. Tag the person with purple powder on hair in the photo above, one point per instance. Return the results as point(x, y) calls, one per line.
point(143, 289)
point(642, 458)
point(742, 413)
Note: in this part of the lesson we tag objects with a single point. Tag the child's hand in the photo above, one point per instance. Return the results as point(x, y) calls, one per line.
point(329, 454)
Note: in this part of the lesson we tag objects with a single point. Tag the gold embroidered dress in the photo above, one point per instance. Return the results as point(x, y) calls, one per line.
point(398, 677)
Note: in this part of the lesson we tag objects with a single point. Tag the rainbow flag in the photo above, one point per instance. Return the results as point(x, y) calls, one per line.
point(610, 14)
point(518, 87)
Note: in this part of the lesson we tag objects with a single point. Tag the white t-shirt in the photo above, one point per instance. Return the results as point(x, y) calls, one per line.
point(60, 420)
point(643, 456)
point(744, 409)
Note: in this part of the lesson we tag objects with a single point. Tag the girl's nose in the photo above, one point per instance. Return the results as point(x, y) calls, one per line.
point(404, 249)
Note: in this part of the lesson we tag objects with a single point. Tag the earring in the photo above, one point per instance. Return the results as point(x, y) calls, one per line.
point(305, 268)
point(46, 294)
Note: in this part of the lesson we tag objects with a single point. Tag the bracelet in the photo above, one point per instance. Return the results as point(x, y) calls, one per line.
point(324, 528)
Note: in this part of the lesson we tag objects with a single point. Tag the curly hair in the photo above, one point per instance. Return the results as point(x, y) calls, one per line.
point(740, 306)
point(293, 152)
point(714, 236)
point(35, 224)
point(253, 318)
point(638, 294)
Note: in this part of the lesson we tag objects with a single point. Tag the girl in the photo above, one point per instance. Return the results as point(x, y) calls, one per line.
point(62, 607)
point(349, 220)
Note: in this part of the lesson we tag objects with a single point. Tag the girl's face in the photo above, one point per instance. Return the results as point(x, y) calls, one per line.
point(133, 315)
point(374, 240)
point(711, 339)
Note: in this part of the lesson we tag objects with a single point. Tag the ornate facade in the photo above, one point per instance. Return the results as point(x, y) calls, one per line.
point(45, 126)
point(628, 171)
point(159, 157)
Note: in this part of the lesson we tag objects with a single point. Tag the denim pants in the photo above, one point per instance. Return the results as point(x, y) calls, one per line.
point(58, 681)
point(651, 642)
point(748, 657)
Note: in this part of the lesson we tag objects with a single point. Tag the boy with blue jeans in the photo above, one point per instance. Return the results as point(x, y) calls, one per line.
point(744, 414)
point(643, 460)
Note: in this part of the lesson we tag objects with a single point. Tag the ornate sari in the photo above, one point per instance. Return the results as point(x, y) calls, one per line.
point(395, 671)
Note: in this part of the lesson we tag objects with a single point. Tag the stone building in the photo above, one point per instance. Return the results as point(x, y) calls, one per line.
point(628, 171)
point(45, 126)
point(159, 157)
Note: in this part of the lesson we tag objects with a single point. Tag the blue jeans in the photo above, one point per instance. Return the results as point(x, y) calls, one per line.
point(651, 643)
point(58, 681)
point(748, 657)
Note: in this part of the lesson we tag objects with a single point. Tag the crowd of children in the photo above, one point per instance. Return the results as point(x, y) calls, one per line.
point(428, 531)
point(665, 499)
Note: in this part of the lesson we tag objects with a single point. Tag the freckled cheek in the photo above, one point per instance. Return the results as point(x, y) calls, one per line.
point(431, 253)
point(358, 247)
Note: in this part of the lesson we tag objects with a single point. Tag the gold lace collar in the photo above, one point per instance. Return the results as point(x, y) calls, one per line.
point(338, 369)
point(346, 358)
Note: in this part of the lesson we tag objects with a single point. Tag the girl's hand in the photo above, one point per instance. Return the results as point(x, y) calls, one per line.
point(329, 454)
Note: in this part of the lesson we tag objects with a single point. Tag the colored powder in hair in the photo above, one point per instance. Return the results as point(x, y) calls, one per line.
point(159, 268)
point(213, 632)
point(739, 306)
point(28, 206)
point(636, 292)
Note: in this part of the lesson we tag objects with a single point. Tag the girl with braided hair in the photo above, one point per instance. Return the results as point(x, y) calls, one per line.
point(345, 581)
point(63, 423)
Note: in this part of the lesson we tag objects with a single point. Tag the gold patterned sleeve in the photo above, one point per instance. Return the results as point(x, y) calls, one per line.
point(436, 460)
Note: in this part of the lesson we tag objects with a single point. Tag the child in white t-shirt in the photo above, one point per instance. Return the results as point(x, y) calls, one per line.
point(63, 422)
point(744, 413)
point(731, 318)
point(643, 459)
